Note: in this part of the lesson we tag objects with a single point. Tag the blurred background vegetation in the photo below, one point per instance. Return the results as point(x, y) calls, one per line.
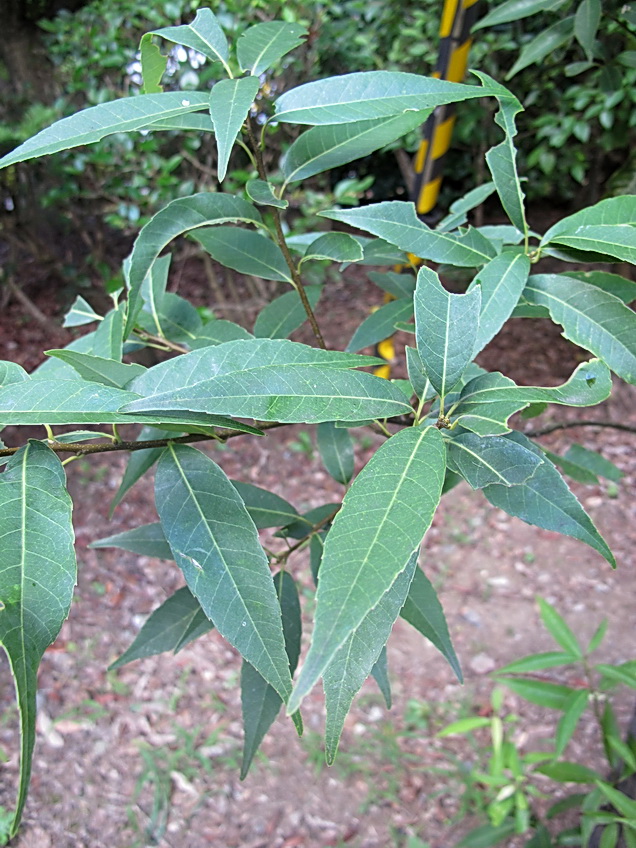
point(77, 212)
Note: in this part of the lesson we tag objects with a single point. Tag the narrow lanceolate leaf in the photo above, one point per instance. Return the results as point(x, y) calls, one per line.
point(501, 283)
point(424, 612)
point(265, 508)
point(36, 579)
point(381, 324)
point(396, 221)
point(417, 376)
point(515, 10)
point(153, 64)
point(323, 148)
point(546, 501)
point(383, 519)
point(609, 212)
point(178, 217)
point(366, 95)
point(487, 401)
point(380, 673)
point(615, 240)
point(147, 540)
point(217, 332)
point(215, 543)
point(586, 21)
point(542, 45)
point(482, 461)
point(245, 252)
point(263, 44)
point(97, 369)
point(559, 629)
point(198, 121)
point(593, 462)
point(96, 122)
point(289, 394)
point(108, 339)
point(399, 285)
point(354, 661)
point(336, 451)
point(590, 317)
point(285, 314)
point(260, 702)
point(620, 287)
point(459, 208)
point(177, 622)
point(80, 313)
point(501, 159)
point(58, 401)
point(262, 192)
point(139, 462)
point(230, 102)
point(204, 35)
point(11, 372)
point(446, 327)
point(339, 247)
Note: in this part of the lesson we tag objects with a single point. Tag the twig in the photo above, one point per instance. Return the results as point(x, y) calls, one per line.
point(282, 557)
point(550, 428)
point(159, 340)
point(280, 238)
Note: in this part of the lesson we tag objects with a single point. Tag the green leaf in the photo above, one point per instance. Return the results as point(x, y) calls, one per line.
point(139, 462)
point(367, 95)
point(230, 103)
point(621, 288)
point(109, 372)
point(593, 462)
point(260, 702)
point(379, 252)
point(380, 673)
point(58, 401)
point(609, 212)
point(153, 292)
point(566, 772)
point(573, 709)
point(424, 612)
point(459, 208)
point(538, 662)
point(501, 159)
point(383, 519)
point(265, 508)
point(546, 501)
point(417, 376)
point(178, 217)
point(304, 525)
point(339, 247)
point(217, 332)
point(399, 285)
point(285, 314)
point(269, 380)
point(204, 35)
point(263, 44)
point(336, 451)
point(11, 373)
point(36, 579)
point(262, 192)
point(245, 252)
point(96, 122)
point(483, 461)
point(550, 695)
point(501, 281)
point(586, 21)
point(616, 240)
point(591, 318)
point(625, 805)
point(153, 64)
point(326, 147)
point(486, 402)
point(146, 540)
point(215, 543)
point(572, 469)
point(380, 324)
point(109, 336)
point(515, 10)
point(177, 622)
point(464, 726)
point(356, 658)
point(625, 673)
point(80, 313)
point(446, 327)
point(549, 40)
point(198, 121)
point(487, 835)
point(396, 221)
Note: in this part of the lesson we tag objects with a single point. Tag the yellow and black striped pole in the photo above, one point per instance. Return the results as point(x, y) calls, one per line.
point(458, 17)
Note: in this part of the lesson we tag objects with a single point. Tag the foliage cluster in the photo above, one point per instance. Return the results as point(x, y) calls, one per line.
point(449, 421)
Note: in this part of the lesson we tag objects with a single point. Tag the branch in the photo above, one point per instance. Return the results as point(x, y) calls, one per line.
point(85, 448)
point(280, 238)
point(550, 428)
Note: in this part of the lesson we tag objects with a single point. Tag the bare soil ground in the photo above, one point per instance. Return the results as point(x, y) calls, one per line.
point(149, 755)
